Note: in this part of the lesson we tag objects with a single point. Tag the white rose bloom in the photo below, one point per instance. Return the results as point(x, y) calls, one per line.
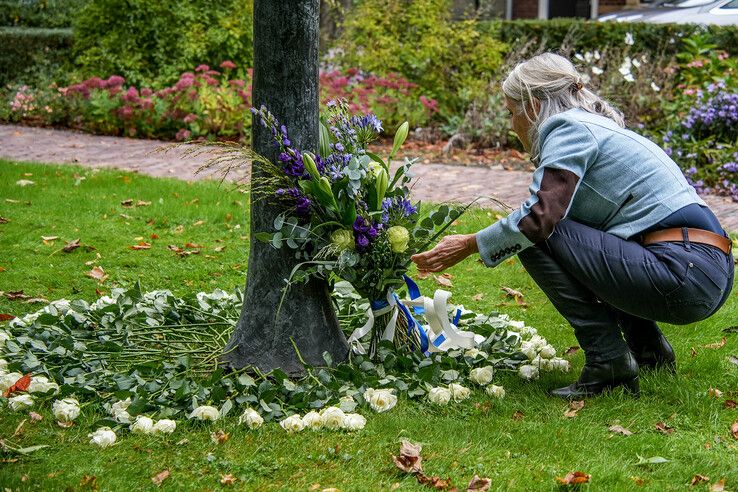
point(354, 422)
point(528, 331)
point(474, 353)
point(65, 410)
point(3, 365)
point(103, 437)
point(655, 87)
point(516, 324)
point(313, 420)
point(482, 375)
point(41, 384)
point(529, 350)
point(559, 364)
point(142, 425)
point(628, 77)
point(459, 392)
point(3, 337)
point(547, 352)
point(597, 70)
point(495, 391)
point(9, 379)
point(164, 426)
point(439, 396)
point(381, 400)
point(629, 39)
point(119, 411)
point(538, 342)
point(251, 418)
point(528, 372)
point(292, 424)
point(20, 402)
point(332, 418)
point(205, 412)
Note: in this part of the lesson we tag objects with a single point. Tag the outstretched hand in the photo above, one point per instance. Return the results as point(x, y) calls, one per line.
point(448, 252)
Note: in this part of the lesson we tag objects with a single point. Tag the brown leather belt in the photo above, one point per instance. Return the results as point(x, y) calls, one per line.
point(723, 243)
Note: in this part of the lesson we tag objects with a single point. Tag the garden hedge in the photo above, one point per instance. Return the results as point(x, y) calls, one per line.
point(39, 13)
point(31, 54)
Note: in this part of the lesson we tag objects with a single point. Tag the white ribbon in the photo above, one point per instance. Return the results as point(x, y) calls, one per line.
point(389, 331)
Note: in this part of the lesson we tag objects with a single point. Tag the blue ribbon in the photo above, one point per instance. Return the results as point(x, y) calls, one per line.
point(414, 292)
point(457, 317)
point(378, 304)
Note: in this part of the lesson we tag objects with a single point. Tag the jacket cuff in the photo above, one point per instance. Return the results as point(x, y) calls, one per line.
point(496, 244)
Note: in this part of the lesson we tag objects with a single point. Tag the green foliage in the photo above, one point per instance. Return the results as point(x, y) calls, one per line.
point(449, 60)
point(151, 43)
point(34, 54)
point(39, 13)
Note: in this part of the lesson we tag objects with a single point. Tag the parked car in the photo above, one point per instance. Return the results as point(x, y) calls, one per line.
point(723, 12)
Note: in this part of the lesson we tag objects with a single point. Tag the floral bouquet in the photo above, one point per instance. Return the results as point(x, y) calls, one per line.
point(349, 216)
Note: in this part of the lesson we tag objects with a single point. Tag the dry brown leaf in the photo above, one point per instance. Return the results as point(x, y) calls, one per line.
point(447, 275)
point(71, 246)
point(638, 481)
point(4, 220)
point(619, 429)
point(574, 478)
point(141, 245)
point(198, 223)
point(718, 486)
point(716, 345)
point(477, 297)
point(90, 481)
point(154, 236)
point(6, 317)
point(127, 203)
point(574, 408)
point(192, 245)
point(734, 429)
point(479, 484)
point(443, 281)
point(219, 436)
point(434, 482)
point(227, 479)
point(714, 393)
point(160, 477)
point(699, 479)
point(693, 352)
point(512, 292)
point(730, 404)
point(422, 275)
point(518, 415)
point(219, 249)
point(35, 417)
point(98, 274)
point(17, 295)
point(47, 239)
point(65, 425)
point(142, 203)
point(572, 350)
point(664, 428)
point(409, 460)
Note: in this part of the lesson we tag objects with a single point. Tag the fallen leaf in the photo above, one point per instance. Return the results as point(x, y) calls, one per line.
point(142, 203)
point(730, 404)
point(6, 317)
point(160, 477)
point(35, 417)
point(314, 486)
point(219, 436)
point(127, 203)
point(21, 385)
point(423, 275)
point(435, 482)
point(698, 479)
point(71, 246)
point(3, 220)
point(638, 480)
point(98, 274)
point(19, 428)
point(515, 294)
point(25, 182)
point(664, 428)
point(619, 429)
point(125, 216)
point(17, 295)
point(192, 246)
point(479, 484)
point(477, 297)
point(574, 478)
point(734, 429)
point(714, 393)
point(90, 481)
point(574, 408)
point(227, 479)
point(198, 223)
point(2, 269)
point(653, 460)
point(154, 236)
point(733, 359)
point(716, 345)
point(443, 281)
point(409, 460)
point(572, 350)
point(718, 486)
point(140, 245)
point(65, 425)
point(693, 352)
point(47, 239)
point(179, 229)
point(518, 415)
point(219, 249)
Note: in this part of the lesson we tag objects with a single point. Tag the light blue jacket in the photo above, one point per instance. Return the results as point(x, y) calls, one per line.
point(593, 172)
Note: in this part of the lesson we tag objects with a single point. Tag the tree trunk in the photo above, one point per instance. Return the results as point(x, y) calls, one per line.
point(286, 81)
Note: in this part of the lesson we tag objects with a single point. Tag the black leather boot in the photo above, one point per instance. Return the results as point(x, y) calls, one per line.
point(650, 347)
point(597, 377)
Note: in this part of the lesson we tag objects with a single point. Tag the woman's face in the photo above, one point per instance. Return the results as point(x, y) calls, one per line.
point(520, 122)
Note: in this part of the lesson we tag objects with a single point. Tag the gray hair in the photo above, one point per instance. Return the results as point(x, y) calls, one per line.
point(555, 83)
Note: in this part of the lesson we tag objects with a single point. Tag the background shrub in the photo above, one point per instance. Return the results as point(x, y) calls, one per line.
point(152, 43)
point(39, 13)
point(34, 55)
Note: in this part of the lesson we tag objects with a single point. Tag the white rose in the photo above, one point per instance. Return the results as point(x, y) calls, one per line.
point(205, 412)
point(439, 396)
point(142, 425)
point(41, 384)
point(313, 420)
point(560, 364)
point(474, 353)
point(547, 352)
point(495, 391)
point(292, 424)
point(20, 402)
point(528, 371)
point(9, 379)
point(164, 426)
point(353, 422)
point(332, 418)
point(482, 375)
point(65, 410)
point(518, 325)
point(538, 342)
point(529, 350)
point(103, 437)
point(528, 331)
point(458, 392)
point(3, 338)
point(3, 365)
point(119, 411)
point(251, 418)
point(381, 400)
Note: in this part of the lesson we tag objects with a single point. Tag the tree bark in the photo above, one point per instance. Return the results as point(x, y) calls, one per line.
point(286, 37)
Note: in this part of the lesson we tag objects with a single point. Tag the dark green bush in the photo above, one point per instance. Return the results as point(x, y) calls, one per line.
point(152, 43)
point(39, 13)
point(30, 55)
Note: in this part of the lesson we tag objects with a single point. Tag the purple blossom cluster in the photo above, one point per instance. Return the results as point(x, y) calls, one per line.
point(302, 203)
point(289, 157)
point(352, 133)
point(716, 117)
point(398, 206)
point(364, 232)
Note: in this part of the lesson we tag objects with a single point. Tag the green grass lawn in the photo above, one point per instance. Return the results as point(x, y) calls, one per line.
point(521, 442)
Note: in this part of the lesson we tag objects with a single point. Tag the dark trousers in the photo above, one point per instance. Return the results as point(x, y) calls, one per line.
point(603, 284)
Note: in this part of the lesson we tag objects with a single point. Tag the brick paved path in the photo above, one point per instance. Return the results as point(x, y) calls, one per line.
point(433, 183)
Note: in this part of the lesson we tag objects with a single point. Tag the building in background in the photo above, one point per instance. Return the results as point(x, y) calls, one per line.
point(540, 9)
